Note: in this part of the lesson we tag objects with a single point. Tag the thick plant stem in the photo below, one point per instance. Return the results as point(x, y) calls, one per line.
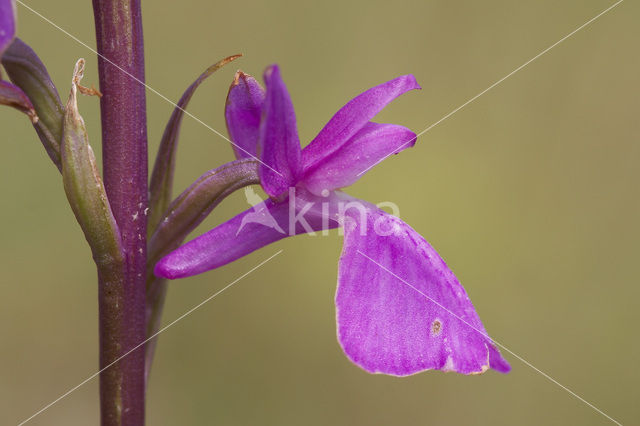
point(124, 147)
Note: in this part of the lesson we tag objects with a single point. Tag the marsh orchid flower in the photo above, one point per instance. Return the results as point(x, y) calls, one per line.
point(400, 310)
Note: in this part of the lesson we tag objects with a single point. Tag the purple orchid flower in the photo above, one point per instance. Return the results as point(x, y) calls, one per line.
point(10, 94)
point(400, 309)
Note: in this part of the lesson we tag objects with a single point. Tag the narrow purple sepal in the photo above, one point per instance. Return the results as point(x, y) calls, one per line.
point(400, 309)
point(354, 116)
point(369, 146)
point(279, 145)
point(242, 113)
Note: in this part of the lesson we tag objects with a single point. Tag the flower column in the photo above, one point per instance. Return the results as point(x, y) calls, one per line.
point(124, 141)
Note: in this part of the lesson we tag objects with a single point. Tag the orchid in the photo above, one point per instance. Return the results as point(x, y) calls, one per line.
point(400, 309)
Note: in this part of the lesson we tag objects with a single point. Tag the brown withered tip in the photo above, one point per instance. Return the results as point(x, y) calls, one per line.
point(236, 78)
point(89, 91)
point(240, 75)
point(78, 74)
point(215, 67)
point(228, 59)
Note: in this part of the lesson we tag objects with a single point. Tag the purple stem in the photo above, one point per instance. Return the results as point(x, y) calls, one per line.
point(124, 147)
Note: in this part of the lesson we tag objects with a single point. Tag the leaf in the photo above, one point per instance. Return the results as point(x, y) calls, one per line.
point(161, 183)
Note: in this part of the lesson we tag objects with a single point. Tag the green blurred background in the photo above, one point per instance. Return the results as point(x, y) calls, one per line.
point(530, 193)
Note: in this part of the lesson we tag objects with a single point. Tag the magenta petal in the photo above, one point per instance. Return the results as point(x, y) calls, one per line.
point(243, 112)
point(7, 23)
point(265, 223)
point(400, 309)
point(353, 116)
point(279, 145)
point(372, 144)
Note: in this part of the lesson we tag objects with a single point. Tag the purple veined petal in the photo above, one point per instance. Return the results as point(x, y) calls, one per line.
point(267, 222)
point(7, 23)
point(400, 309)
point(344, 166)
point(243, 112)
point(354, 116)
point(279, 145)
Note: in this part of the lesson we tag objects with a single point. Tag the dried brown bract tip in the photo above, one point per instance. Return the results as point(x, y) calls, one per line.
point(78, 74)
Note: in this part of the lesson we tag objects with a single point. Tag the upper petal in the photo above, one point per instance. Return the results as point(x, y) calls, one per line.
point(400, 309)
point(353, 116)
point(279, 145)
point(369, 146)
point(7, 23)
point(265, 223)
point(242, 112)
